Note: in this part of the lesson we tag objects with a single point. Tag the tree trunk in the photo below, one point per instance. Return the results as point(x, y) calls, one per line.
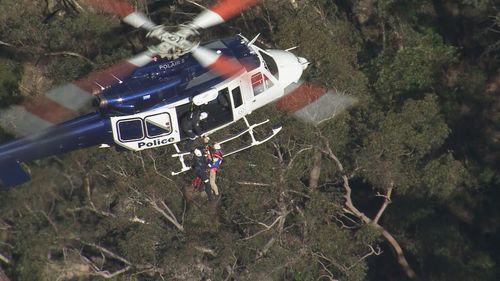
point(316, 169)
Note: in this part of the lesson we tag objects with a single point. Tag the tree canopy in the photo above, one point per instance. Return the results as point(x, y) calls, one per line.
point(402, 185)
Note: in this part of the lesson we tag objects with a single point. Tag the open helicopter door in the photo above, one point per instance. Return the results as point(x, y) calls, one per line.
point(241, 98)
point(146, 129)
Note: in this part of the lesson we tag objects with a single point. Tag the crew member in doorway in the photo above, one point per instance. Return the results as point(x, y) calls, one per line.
point(200, 171)
point(191, 123)
point(215, 158)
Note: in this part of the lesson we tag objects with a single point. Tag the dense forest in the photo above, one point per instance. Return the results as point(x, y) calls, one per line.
point(400, 186)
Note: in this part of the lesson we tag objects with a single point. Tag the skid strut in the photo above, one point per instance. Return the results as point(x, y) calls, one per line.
point(181, 159)
point(249, 130)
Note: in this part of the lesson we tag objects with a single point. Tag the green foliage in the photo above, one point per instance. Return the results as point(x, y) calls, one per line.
point(317, 36)
point(10, 76)
point(422, 87)
point(443, 176)
point(414, 68)
point(398, 141)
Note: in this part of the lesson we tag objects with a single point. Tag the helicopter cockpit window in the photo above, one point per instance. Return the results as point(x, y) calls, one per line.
point(158, 125)
point(270, 64)
point(130, 130)
point(257, 83)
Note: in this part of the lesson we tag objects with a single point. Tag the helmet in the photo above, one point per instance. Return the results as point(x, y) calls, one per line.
point(203, 115)
point(197, 152)
point(206, 139)
point(217, 146)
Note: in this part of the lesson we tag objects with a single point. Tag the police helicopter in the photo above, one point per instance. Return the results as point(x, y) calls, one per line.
point(177, 90)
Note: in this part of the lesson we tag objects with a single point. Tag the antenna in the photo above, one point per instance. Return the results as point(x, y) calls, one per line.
point(253, 40)
point(119, 81)
point(100, 86)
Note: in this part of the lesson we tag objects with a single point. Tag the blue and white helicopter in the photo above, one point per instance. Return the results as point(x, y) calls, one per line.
point(144, 100)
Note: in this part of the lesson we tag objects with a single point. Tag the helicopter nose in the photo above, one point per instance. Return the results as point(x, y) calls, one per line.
point(290, 67)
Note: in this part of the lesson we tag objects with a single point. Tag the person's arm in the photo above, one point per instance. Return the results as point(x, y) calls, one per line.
point(196, 123)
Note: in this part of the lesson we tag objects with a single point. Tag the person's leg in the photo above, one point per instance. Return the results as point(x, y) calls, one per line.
point(208, 191)
point(213, 184)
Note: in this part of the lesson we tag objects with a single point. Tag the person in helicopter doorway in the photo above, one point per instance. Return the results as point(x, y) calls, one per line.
point(199, 167)
point(215, 157)
point(191, 125)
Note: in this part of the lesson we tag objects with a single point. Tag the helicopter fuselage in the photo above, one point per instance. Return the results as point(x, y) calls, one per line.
point(146, 109)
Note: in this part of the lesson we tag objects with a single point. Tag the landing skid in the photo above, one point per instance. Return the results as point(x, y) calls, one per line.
point(249, 130)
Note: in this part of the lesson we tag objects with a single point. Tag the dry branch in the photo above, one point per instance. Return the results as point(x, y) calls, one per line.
point(372, 252)
point(252, 183)
point(266, 227)
point(387, 200)
point(107, 252)
point(351, 209)
point(265, 249)
point(205, 250)
point(4, 259)
point(170, 216)
point(165, 211)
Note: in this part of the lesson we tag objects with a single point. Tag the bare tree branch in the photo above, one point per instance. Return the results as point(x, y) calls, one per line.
point(104, 273)
point(339, 266)
point(54, 226)
point(71, 54)
point(6, 44)
point(350, 208)
point(387, 200)
point(156, 169)
point(231, 269)
point(265, 249)
point(266, 227)
point(315, 172)
point(205, 250)
point(372, 252)
point(252, 183)
point(107, 252)
point(4, 259)
point(170, 216)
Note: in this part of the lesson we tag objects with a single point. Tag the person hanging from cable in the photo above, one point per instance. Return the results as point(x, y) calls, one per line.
point(215, 157)
point(199, 167)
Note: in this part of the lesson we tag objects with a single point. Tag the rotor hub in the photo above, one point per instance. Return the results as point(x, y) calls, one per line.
point(174, 44)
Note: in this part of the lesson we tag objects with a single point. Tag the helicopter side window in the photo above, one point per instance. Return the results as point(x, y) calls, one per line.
point(257, 83)
point(158, 125)
point(268, 82)
point(223, 98)
point(238, 100)
point(130, 130)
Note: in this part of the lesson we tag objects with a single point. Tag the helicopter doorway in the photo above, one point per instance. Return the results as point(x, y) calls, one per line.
point(219, 111)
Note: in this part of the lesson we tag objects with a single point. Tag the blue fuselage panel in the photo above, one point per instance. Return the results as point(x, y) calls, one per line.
point(84, 131)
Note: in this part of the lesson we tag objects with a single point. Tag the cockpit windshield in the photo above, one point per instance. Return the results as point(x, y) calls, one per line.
point(270, 64)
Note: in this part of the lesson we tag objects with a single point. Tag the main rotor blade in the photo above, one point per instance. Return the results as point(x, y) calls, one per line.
point(124, 10)
point(313, 104)
point(218, 63)
point(221, 12)
point(65, 101)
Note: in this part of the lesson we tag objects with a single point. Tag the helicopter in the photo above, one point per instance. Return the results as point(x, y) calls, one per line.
point(144, 102)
